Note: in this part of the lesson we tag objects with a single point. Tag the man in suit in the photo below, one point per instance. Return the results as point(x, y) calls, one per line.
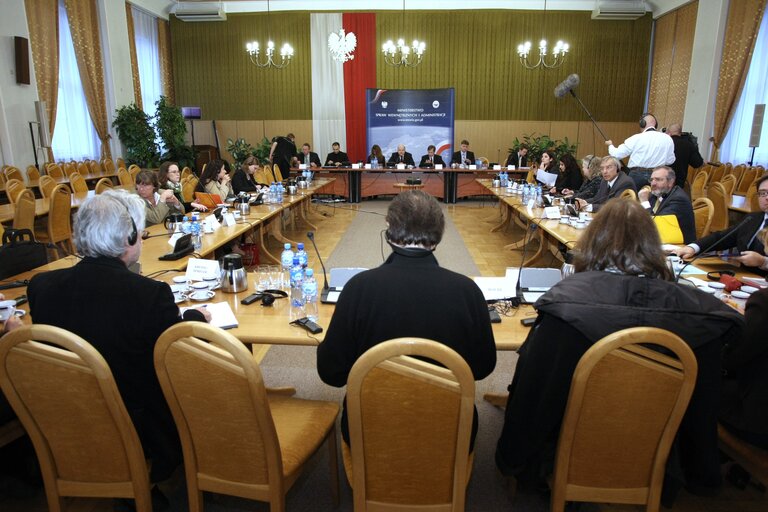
point(401, 156)
point(120, 313)
point(666, 198)
point(465, 156)
point(307, 157)
point(614, 183)
point(686, 153)
point(518, 158)
point(745, 238)
point(429, 160)
point(336, 158)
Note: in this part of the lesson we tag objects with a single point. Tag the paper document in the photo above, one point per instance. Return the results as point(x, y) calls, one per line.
point(547, 178)
point(496, 288)
point(222, 315)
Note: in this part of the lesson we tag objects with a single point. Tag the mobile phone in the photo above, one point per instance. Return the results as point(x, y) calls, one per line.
point(495, 318)
point(528, 321)
point(22, 299)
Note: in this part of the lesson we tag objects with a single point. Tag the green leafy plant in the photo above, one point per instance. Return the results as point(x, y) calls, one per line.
point(262, 151)
point(172, 130)
point(240, 150)
point(537, 145)
point(135, 131)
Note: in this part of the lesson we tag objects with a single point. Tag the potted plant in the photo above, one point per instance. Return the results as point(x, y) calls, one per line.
point(537, 145)
point(170, 126)
point(137, 135)
point(240, 150)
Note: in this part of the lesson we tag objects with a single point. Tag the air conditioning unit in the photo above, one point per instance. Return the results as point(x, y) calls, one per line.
point(618, 9)
point(199, 11)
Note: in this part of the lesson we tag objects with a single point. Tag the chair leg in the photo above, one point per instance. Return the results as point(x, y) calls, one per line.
point(194, 494)
point(333, 463)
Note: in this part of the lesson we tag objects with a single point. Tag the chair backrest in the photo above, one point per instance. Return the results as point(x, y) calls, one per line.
point(729, 183)
point(721, 199)
point(12, 189)
point(33, 173)
point(703, 210)
point(125, 177)
point(231, 398)
point(530, 177)
point(55, 171)
point(624, 407)
point(133, 170)
point(188, 189)
point(69, 168)
point(24, 211)
point(752, 201)
point(77, 183)
point(277, 173)
point(94, 167)
point(46, 184)
point(268, 176)
point(120, 163)
point(717, 173)
point(109, 166)
point(186, 171)
point(748, 177)
point(699, 182)
point(65, 396)
point(484, 160)
point(3, 179)
point(83, 169)
point(13, 173)
point(59, 215)
point(410, 423)
point(629, 194)
point(738, 171)
point(103, 184)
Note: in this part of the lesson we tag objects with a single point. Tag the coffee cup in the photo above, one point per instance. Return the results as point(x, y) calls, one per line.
point(7, 309)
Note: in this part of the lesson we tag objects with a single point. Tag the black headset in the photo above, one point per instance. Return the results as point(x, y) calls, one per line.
point(643, 124)
point(268, 297)
point(134, 236)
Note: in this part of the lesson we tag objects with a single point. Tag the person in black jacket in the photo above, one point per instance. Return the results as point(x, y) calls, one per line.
point(614, 183)
point(307, 157)
point(429, 160)
point(336, 158)
point(464, 156)
point(120, 313)
point(243, 178)
point(401, 156)
point(666, 198)
point(570, 177)
point(518, 158)
point(686, 153)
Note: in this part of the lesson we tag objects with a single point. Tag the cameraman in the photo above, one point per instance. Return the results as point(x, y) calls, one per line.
point(686, 153)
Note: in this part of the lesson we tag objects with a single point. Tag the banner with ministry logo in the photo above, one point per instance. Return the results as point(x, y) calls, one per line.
point(413, 117)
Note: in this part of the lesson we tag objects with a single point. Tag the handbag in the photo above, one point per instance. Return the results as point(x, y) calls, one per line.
point(20, 253)
point(669, 229)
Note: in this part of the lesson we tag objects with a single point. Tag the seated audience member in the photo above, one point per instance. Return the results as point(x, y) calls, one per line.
point(570, 175)
point(119, 312)
point(621, 280)
point(307, 157)
point(243, 178)
point(216, 179)
point(157, 205)
point(590, 170)
point(614, 183)
point(169, 178)
point(743, 237)
point(401, 156)
point(465, 156)
point(449, 308)
point(744, 396)
point(666, 198)
point(518, 158)
point(429, 160)
point(336, 158)
point(376, 156)
point(549, 164)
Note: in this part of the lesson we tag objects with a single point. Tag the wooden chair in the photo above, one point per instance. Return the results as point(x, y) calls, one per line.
point(24, 211)
point(94, 167)
point(531, 176)
point(262, 176)
point(624, 407)
point(752, 201)
point(120, 163)
point(109, 166)
point(188, 189)
point(277, 173)
point(237, 438)
point(484, 160)
point(269, 177)
point(410, 423)
point(83, 169)
point(133, 170)
point(2, 180)
point(747, 179)
point(186, 171)
point(59, 230)
point(13, 173)
point(103, 184)
point(629, 194)
point(729, 183)
point(721, 199)
point(33, 173)
point(717, 174)
point(69, 168)
point(65, 396)
point(12, 189)
point(56, 172)
point(703, 210)
point(697, 187)
point(46, 184)
point(125, 178)
point(738, 171)
point(77, 183)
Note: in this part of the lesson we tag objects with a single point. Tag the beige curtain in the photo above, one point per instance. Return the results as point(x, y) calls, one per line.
point(84, 24)
point(744, 18)
point(43, 21)
point(166, 60)
point(134, 59)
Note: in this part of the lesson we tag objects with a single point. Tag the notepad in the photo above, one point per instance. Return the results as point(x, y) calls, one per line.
point(222, 315)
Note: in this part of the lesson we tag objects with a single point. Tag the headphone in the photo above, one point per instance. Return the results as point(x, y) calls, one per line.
point(268, 297)
point(715, 276)
point(133, 237)
point(642, 122)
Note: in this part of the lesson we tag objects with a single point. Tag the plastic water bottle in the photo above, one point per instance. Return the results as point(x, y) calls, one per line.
point(279, 190)
point(309, 287)
point(197, 237)
point(286, 262)
point(374, 163)
point(185, 227)
point(539, 201)
point(297, 294)
point(302, 255)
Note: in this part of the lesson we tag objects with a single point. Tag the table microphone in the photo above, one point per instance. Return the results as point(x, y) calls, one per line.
point(702, 253)
point(324, 293)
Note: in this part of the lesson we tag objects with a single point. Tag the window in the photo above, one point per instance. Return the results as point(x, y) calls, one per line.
point(148, 58)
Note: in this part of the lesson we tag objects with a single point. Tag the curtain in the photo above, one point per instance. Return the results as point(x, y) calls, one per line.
point(359, 75)
point(327, 86)
point(735, 147)
point(43, 21)
point(166, 60)
point(740, 35)
point(134, 60)
point(75, 137)
point(148, 58)
point(84, 25)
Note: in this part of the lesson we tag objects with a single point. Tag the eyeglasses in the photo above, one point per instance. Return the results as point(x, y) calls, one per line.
point(762, 193)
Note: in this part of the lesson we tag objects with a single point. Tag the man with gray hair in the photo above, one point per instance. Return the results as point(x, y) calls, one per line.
point(666, 198)
point(614, 183)
point(119, 312)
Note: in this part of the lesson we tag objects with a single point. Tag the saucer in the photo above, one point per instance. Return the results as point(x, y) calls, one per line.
point(749, 289)
point(201, 295)
point(179, 297)
point(716, 285)
point(739, 294)
point(706, 289)
point(180, 279)
point(200, 285)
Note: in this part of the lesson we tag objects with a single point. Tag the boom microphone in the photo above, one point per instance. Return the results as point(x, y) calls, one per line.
point(567, 85)
point(324, 293)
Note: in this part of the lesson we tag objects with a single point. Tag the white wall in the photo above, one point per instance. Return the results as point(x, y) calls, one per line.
point(17, 102)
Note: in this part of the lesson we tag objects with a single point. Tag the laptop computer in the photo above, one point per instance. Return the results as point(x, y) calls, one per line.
point(339, 277)
point(534, 282)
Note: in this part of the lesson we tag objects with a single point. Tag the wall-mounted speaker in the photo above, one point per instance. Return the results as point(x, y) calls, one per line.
point(43, 126)
point(757, 125)
point(21, 45)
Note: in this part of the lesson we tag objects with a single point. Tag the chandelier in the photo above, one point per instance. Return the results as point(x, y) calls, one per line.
point(401, 54)
point(559, 52)
point(252, 49)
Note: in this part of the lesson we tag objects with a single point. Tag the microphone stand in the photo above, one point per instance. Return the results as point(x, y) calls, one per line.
point(326, 289)
point(588, 114)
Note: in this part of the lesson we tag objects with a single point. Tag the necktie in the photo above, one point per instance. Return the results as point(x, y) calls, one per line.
point(754, 244)
point(657, 205)
point(306, 159)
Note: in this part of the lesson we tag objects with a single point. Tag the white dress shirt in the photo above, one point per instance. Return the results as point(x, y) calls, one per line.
point(648, 149)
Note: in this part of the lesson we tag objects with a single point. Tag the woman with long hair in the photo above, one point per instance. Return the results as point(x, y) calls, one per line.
point(376, 154)
point(590, 171)
point(548, 164)
point(169, 178)
point(216, 180)
point(243, 178)
point(570, 175)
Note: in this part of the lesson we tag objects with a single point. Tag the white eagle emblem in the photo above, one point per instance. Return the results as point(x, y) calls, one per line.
point(342, 45)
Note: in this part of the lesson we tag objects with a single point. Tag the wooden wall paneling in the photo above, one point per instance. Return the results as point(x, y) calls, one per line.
point(226, 130)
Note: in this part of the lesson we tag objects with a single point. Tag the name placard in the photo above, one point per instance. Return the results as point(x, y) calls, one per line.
point(199, 269)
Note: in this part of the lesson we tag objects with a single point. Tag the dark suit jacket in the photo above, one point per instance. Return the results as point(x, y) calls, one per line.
point(425, 161)
point(739, 238)
point(121, 314)
point(513, 159)
point(622, 183)
point(313, 158)
point(334, 158)
point(686, 153)
point(456, 158)
point(678, 204)
point(395, 159)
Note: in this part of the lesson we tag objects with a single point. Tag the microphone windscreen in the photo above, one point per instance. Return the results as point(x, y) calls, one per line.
point(567, 85)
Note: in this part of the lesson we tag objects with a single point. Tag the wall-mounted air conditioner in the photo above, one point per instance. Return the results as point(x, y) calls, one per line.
point(199, 11)
point(618, 9)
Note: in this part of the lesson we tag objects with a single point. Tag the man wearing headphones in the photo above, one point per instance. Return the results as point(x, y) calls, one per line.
point(410, 295)
point(119, 312)
point(666, 198)
point(646, 150)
